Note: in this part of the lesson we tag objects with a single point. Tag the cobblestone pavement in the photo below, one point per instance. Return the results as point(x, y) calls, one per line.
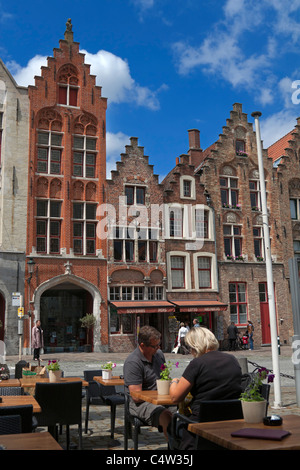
point(98, 436)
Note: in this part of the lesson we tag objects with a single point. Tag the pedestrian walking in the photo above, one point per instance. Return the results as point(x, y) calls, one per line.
point(37, 340)
point(181, 335)
point(232, 336)
point(250, 330)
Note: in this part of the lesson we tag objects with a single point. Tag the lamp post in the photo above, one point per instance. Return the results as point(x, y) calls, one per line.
point(270, 284)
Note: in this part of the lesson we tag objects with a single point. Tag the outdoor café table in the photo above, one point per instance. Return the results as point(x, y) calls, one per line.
point(152, 397)
point(28, 383)
point(10, 383)
point(219, 432)
point(19, 400)
point(29, 441)
point(114, 381)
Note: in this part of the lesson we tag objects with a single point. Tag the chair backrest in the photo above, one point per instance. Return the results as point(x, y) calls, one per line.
point(60, 402)
point(220, 410)
point(10, 424)
point(6, 391)
point(25, 411)
point(96, 389)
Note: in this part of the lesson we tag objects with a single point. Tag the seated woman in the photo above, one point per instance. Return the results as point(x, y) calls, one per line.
point(211, 375)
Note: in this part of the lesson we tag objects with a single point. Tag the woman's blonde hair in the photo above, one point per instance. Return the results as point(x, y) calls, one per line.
point(201, 340)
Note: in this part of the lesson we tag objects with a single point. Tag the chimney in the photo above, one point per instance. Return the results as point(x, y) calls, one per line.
point(195, 152)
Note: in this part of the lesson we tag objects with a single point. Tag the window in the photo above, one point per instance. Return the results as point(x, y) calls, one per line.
point(258, 242)
point(155, 293)
point(255, 195)
point(84, 228)
point(177, 272)
point(294, 207)
point(204, 272)
point(84, 156)
point(229, 191)
point(238, 302)
point(187, 188)
point(240, 147)
point(135, 195)
point(201, 223)
point(140, 245)
point(48, 226)
point(49, 152)
point(176, 222)
point(232, 240)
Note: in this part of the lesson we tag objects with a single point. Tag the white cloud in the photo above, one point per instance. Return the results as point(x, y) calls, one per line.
point(276, 126)
point(115, 145)
point(112, 73)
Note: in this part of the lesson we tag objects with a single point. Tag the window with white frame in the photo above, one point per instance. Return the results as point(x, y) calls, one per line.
point(204, 272)
point(84, 156)
point(178, 272)
point(232, 240)
point(229, 191)
point(49, 152)
point(84, 228)
point(258, 241)
point(187, 187)
point(238, 302)
point(176, 222)
point(48, 226)
point(255, 199)
point(202, 223)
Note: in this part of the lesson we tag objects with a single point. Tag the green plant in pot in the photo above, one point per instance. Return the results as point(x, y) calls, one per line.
point(88, 322)
point(253, 403)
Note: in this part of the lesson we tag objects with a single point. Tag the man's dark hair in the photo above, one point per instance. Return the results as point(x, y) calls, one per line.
point(147, 333)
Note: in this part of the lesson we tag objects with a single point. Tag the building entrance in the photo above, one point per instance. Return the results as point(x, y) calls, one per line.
point(60, 311)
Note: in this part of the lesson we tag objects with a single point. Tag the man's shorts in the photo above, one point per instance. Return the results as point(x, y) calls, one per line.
point(148, 412)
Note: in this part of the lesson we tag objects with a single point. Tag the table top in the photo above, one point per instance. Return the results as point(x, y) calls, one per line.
point(115, 380)
point(152, 397)
point(18, 400)
point(219, 432)
point(10, 383)
point(25, 383)
point(29, 441)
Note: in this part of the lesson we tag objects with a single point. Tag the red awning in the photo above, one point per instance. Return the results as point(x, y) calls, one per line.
point(198, 306)
point(144, 306)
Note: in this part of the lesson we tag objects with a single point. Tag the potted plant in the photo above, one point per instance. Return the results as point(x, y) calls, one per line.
point(107, 370)
point(253, 403)
point(54, 371)
point(88, 322)
point(163, 383)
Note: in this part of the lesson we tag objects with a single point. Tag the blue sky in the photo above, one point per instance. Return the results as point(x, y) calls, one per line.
point(167, 66)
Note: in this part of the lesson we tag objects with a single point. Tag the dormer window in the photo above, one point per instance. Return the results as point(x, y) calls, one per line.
point(240, 148)
point(68, 86)
point(67, 95)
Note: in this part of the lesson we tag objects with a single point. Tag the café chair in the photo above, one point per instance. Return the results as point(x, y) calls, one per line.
point(61, 405)
point(210, 410)
point(9, 391)
point(10, 424)
point(24, 411)
point(98, 394)
point(132, 425)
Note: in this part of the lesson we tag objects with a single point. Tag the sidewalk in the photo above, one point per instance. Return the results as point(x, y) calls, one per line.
point(98, 436)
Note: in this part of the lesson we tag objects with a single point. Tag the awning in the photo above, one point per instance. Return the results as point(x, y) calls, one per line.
point(144, 306)
point(198, 306)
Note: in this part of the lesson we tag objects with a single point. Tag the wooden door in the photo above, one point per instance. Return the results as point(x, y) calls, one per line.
point(264, 314)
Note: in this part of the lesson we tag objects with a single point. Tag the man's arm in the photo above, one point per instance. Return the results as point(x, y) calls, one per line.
point(135, 388)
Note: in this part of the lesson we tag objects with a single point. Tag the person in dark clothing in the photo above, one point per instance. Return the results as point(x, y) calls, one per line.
point(211, 375)
point(232, 336)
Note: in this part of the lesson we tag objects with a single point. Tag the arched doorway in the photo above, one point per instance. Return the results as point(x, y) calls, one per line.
point(60, 311)
point(2, 316)
point(59, 303)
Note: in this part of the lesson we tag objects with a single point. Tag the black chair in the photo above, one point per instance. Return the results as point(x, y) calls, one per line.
point(10, 424)
point(132, 425)
point(210, 410)
point(9, 391)
point(26, 413)
point(98, 394)
point(61, 405)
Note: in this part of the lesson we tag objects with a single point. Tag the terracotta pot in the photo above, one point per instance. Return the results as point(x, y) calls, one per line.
point(163, 386)
point(254, 411)
point(106, 374)
point(54, 375)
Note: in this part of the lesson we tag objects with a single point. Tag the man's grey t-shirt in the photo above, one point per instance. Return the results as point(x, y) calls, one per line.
point(138, 370)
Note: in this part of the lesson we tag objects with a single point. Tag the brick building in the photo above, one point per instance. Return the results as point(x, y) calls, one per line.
point(66, 177)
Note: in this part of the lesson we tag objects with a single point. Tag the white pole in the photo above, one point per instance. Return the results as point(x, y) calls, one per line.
point(270, 283)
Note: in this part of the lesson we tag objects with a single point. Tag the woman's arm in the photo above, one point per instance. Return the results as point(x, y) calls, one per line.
point(179, 388)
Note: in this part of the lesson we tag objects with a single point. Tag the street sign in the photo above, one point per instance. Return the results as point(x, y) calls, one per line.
point(21, 312)
point(16, 299)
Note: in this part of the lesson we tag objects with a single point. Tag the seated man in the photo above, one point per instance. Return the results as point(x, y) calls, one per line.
point(141, 369)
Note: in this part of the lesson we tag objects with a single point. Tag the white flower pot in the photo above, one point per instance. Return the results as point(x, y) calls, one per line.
point(106, 374)
point(54, 375)
point(254, 411)
point(163, 386)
